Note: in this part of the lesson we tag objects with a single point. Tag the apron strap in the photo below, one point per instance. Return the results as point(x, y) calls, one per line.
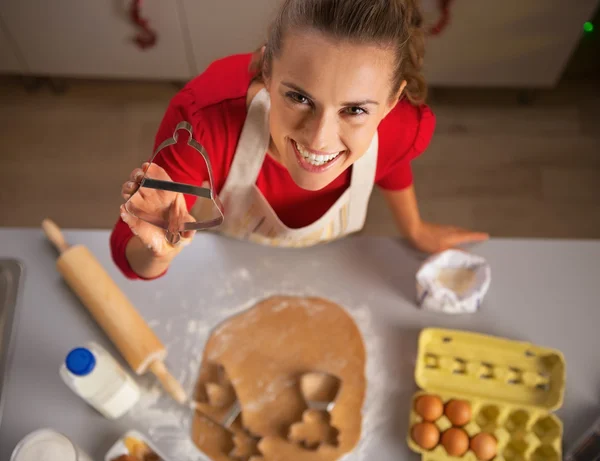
point(252, 145)
point(361, 186)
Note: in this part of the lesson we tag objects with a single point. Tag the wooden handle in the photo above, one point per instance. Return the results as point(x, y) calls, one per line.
point(55, 235)
point(111, 309)
point(168, 381)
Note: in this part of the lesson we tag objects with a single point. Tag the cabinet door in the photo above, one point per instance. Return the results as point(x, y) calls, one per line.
point(506, 43)
point(9, 62)
point(94, 39)
point(224, 27)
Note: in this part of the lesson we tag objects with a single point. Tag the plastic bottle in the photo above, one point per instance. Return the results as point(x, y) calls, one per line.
point(93, 374)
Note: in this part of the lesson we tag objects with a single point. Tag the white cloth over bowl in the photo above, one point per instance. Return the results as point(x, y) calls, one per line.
point(454, 282)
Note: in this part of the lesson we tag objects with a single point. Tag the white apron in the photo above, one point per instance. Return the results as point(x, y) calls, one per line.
point(248, 215)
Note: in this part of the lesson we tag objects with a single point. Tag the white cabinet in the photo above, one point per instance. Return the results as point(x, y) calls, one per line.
point(510, 43)
point(224, 27)
point(487, 43)
point(9, 62)
point(94, 39)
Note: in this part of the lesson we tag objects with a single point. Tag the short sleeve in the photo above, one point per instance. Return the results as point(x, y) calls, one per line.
point(403, 135)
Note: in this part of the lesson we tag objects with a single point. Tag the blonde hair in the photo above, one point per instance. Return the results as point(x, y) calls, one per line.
point(389, 23)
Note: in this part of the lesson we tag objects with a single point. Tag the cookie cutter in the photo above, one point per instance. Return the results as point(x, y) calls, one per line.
point(173, 234)
point(228, 418)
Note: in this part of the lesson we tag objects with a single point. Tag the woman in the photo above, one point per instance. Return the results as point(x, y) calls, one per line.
point(332, 105)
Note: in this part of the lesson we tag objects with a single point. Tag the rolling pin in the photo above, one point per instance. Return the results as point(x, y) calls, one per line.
point(111, 309)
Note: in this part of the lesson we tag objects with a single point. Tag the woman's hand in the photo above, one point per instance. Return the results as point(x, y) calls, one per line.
point(168, 204)
point(425, 236)
point(434, 238)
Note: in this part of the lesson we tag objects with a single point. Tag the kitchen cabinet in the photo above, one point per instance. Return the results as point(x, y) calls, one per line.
point(509, 43)
point(486, 43)
point(94, 39)
point(217, 29)
point(9, 61)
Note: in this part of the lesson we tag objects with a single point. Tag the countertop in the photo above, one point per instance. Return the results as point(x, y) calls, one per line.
point(545, 292)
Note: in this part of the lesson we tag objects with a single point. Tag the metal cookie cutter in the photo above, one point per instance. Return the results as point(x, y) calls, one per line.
point(173, 231)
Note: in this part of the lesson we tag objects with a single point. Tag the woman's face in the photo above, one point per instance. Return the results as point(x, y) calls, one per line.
point(327, 99)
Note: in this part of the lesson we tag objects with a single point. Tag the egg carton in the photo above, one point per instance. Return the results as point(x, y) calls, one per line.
point(522, 434)
point(512, 388)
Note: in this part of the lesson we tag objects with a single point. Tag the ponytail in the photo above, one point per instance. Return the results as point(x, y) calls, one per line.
point(412, 55)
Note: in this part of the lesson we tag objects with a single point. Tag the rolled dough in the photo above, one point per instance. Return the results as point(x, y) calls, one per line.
point(264, 351)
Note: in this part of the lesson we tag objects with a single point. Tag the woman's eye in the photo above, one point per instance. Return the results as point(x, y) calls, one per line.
point(297, 97)
point(355, 111)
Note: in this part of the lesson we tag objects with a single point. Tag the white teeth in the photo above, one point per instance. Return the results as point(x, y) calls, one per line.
point(313, 159)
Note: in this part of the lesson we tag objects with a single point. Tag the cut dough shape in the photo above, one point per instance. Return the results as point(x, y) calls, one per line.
point(265, 351)
point(245, 447)
point(319, 389)
point(314, 430)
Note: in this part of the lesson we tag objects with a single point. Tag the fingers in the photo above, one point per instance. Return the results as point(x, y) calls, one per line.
point(136, 175)
point(128, 189)
point(466, 237)
point(131, 221)
point(135, 178)
point(178, 217)
point(178, 213)
point(186, 237)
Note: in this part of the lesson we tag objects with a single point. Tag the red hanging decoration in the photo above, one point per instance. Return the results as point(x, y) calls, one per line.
point(146, 37)
point(444, 19)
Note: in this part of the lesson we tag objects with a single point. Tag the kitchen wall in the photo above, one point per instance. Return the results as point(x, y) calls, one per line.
point(507, 43)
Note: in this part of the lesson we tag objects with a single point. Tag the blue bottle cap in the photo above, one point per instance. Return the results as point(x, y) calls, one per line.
point(80, 361)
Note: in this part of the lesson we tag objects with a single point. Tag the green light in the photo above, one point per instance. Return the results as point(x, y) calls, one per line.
point(588, 27)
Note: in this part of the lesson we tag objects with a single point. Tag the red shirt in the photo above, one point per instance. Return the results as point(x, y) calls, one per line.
point(214, 103)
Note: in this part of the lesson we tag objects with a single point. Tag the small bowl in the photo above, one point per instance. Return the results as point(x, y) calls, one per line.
point(453, 282)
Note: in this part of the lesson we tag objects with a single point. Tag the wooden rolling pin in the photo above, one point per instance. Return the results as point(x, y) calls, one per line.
point(111, 309)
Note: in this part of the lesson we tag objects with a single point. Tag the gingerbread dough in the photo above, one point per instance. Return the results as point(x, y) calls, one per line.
point(260, 356)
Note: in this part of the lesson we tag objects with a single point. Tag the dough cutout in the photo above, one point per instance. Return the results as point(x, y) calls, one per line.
point(297, 367)
point(314, 430)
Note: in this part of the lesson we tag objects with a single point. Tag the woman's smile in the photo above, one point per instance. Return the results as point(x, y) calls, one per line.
point(315, 161)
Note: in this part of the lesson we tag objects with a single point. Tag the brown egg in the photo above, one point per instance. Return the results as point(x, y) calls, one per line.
point(458, 412)
point(455, 441)
point(429, 407)
point(426, 435)
point(484, 446)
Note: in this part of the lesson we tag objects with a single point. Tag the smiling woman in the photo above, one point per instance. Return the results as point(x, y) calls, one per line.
point(298, 134)
point(327, 100)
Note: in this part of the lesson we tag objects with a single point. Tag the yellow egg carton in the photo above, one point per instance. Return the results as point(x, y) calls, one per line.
point(512, 387)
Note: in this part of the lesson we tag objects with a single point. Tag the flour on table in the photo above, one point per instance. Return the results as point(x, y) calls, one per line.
point(191, 329)
point(241, 274)
point(194, 320)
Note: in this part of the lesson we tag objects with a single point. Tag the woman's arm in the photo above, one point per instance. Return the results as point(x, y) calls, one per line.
point(425, 236)
point(144, 262)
